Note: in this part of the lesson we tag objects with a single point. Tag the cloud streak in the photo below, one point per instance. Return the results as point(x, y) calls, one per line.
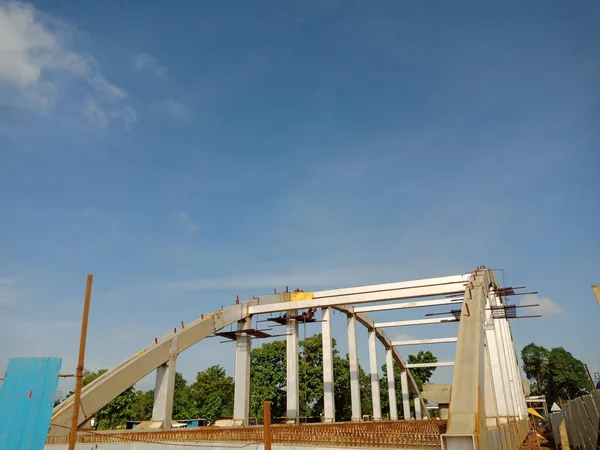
point(37, 68)
point(548, 307)
point(175, 110)
point(343, 277)
point(147, 62)
point(184, 220)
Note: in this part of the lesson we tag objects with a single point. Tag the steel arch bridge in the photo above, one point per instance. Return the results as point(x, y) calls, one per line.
point(487, 406)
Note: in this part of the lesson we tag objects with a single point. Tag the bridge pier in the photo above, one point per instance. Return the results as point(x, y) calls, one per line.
point(405, 398)
point(293, 377)
point(354, 370)
point(162, 410)
point(391, 384)
point(328, 399)
point(241, 402)
point(374, 369)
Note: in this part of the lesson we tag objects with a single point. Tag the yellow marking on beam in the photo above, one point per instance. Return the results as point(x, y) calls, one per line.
point(298, 296)
point(597, 292)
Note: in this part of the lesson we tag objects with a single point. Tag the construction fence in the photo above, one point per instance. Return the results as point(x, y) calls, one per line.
point(582, 421)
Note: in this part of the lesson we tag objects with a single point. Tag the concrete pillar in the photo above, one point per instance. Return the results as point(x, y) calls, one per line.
point(389, 358)
point(405, 396)
point(505, 398)
point(164, 388)
point(293, 377)
point(329, 399)
point(418, 414)
point(241, 402)
point(375, 393)
point(354, 370)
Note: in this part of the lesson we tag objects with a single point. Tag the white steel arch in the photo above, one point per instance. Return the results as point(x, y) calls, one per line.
point(157, 355)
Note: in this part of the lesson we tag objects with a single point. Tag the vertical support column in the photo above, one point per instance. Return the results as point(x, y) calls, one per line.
point(467, 428)
point(375, 393)
point(418, 414)
point(505, 398)
point(293, 377)
point(354, 370)
point(241, 402)
point(328, 398)
point(389, 359)
point(162, 411)
point(405, 395)
point(513, 364)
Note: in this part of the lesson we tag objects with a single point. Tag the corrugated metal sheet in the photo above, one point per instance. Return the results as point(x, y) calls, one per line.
point(26, 401)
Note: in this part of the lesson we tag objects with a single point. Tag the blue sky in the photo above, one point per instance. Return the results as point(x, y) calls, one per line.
point(187, 153)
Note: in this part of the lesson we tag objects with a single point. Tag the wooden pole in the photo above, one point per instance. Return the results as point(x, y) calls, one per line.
point(590, 377)
point(79, 374)
point(267, 424)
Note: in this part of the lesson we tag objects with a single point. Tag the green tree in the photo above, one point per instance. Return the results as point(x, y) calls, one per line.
point(268, 378)
point(422, 374)
point(535, 366)
point(183, 405)
point(566, 376)
point(211, 394)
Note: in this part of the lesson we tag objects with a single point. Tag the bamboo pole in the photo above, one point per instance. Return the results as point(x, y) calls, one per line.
point(80, 361)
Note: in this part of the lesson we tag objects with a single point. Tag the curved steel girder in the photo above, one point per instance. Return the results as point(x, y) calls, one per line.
point(111, 384)
point(387, 343)
point(105, 388)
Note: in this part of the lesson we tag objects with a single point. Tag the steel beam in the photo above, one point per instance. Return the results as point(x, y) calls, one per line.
point(424, 341)
point(408, 305)
point(431, 364)
point(407, 323)
point(334, 298)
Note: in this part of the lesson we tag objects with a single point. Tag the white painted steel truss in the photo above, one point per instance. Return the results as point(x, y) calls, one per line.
point(487, 397)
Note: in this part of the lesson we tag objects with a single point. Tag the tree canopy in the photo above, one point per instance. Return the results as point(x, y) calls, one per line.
point(554, 373)
point(211, 395)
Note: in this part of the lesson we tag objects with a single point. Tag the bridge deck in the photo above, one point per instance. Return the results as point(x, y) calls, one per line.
point(389, 434)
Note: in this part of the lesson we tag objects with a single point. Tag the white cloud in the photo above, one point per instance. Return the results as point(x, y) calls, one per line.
point(145, 61)
point(344, 277)
point(186, 222)
point(7, 295)
point(548, 307)
point(175, 109)
point(37, 67)
point(403, 337)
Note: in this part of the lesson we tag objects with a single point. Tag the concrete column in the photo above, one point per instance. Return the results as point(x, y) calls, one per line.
point(389, 358)
point(329, 399)
point(405, 396)
point(375, 393)
point(505, 397)
point(293, 377)
point(418, 414)
point(354, 370)
point(516, 371)
point(241, 402)
point(164, 388)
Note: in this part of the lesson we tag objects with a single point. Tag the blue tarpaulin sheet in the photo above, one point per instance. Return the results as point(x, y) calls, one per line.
point(26, 401)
